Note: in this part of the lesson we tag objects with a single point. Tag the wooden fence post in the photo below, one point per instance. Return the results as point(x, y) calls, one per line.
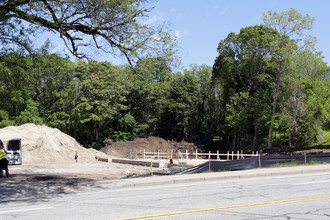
point(209, 162)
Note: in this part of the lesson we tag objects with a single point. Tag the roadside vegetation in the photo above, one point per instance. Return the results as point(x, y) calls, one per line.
point(268, 87)
point(295, 163)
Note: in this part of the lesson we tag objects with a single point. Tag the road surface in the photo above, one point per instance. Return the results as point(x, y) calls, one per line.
point(302, 196)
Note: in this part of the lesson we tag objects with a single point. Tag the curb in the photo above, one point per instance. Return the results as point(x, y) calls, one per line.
point(186, 178)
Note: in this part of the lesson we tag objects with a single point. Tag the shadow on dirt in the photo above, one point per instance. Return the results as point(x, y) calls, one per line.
point(38, 187)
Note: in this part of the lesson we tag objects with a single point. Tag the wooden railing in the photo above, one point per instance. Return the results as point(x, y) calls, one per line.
point(198, 156)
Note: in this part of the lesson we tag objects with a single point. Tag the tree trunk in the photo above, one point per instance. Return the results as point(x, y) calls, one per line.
point(275, 101)
point(255, 138)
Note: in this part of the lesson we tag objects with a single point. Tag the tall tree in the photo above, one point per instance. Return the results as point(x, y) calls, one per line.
point(54, 87)
point(289, 24)
point(103, 89)
point(39, 88)
point(108, 25)
point(244, 70)
point(15, 88)
point(151, 82)
point(303, 90)
point(203, 115)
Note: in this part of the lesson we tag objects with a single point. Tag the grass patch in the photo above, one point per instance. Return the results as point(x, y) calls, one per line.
point(292, 163)
point(295, 163)
point(222, 170)
point(313, 162)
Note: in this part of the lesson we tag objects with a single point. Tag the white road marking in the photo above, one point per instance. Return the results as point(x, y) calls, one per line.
point(313, 182)
point(26, 210)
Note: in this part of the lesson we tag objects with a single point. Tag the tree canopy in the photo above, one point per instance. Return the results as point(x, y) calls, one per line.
point(107, 25)
point(267, 87)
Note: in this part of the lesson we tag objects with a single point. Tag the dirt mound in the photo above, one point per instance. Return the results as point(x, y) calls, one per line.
point(43, 145)
point(135, 149)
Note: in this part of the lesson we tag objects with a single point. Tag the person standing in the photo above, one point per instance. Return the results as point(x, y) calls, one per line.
point(3, 163)
point(76, 157)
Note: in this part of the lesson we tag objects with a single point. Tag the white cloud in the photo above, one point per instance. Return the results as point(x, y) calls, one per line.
point(225, 11)
point(153, 19)
point(178, 34)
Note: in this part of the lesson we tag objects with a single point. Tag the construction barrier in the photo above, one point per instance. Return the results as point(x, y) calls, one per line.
point(249, 163)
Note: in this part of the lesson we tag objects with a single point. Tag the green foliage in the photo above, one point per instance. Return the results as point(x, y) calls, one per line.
point(102, 98)
point(266, 85)
point(245, 73)
point(114, 25)
point(325, 140)
point(285, 48)
point(127, 129)
point(222, 170)
point(290, 164)
point(30, 114)
point(4, 119)
point(313, 162)
point(150, 85)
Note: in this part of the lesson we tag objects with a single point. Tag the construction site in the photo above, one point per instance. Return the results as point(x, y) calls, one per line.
point(48, 158)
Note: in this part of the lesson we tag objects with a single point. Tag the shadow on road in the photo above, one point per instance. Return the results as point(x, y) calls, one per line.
point(37, 187)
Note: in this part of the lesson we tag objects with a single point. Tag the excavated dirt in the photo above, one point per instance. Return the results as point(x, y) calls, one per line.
point(135, 149)
point(48, 164)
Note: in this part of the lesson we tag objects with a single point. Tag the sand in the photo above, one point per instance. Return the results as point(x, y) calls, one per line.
point(42, 145)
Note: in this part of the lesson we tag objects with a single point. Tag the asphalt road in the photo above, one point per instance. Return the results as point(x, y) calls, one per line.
point(299, 196)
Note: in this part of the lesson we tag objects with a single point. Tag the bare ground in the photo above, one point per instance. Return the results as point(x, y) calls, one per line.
point(39, 182)
point(49, 169)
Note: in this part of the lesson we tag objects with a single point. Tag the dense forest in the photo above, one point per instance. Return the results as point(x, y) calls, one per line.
point(268, 87)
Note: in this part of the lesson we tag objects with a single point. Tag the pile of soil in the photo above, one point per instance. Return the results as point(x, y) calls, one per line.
point(43, 145)
point(135, 149)
point(49, 152)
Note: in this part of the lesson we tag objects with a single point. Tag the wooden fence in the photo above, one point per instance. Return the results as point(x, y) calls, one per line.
point(197, 156)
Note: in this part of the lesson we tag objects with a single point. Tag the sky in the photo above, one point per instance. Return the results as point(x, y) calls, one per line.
point(201, 25)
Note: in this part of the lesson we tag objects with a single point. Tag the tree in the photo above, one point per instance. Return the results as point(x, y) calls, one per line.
point(38, 88)
point(203, 114)
point(150, 85)
point(306, 97)
point(289, 24)
point(244, 71)
point(108, 25)
point(102, 98)
point(54, 85)
point(15, 88)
